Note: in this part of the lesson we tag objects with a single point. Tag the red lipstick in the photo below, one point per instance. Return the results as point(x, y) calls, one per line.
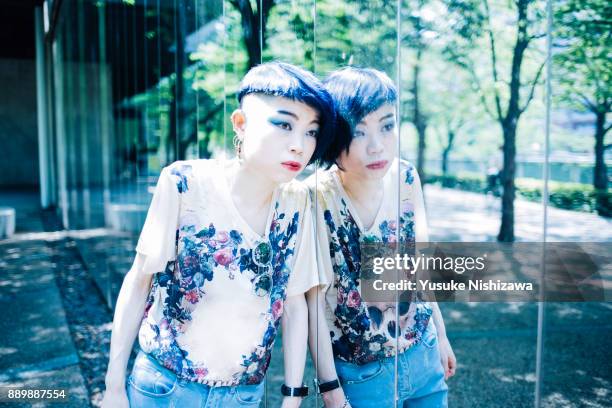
point(291, 165)
point(377, 165)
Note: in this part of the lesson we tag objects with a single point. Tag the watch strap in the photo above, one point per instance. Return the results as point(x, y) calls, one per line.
point(294, 391)
point(326, 386)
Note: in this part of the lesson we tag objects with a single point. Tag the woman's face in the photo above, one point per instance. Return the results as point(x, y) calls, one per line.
point(279, 135)
point(374, 145)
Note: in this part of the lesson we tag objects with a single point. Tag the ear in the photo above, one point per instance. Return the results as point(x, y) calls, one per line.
point(238, 121)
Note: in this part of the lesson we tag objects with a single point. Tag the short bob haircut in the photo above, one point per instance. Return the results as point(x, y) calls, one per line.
point(356, 92)
point(289, 81)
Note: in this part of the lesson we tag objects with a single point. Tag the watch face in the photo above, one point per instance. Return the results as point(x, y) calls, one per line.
point(262, 254)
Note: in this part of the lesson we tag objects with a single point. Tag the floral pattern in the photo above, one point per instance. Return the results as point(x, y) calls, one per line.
point(356, 335)
point(182, 172)
point(282, 243)
point(200, 255)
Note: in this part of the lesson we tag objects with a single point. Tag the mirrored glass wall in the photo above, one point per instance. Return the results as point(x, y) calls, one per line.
point(503, 109)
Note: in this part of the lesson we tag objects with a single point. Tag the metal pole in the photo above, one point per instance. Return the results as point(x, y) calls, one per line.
point(541, 305)
point(60, 130)
point(41, 97)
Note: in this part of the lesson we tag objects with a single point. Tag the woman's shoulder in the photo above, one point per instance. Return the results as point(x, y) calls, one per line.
point(188, 173)
point(188, 167)
point(321, 181)
point(406, 169)
point(294, 193)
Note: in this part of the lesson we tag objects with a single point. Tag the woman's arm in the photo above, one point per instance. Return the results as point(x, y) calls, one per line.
point(447, 356)
point(126, 322)
point(320, 346)
point(295, 333)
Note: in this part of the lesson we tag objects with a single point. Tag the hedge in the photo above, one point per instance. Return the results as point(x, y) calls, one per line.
point(565, 195)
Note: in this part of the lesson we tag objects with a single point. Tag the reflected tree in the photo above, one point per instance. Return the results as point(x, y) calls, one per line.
point(253, 22)
point(583, 71)
point(417, 31)
point(504, 93)
point(454, 115)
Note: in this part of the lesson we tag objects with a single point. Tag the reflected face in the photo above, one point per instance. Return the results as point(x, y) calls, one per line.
point(374, 144)
point(279, 135)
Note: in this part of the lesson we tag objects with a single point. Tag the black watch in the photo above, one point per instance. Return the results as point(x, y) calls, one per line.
point(320, 388)
point(294, 391)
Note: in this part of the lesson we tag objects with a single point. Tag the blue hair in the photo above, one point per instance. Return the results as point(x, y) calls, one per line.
point(289, 81)
point(356, 92)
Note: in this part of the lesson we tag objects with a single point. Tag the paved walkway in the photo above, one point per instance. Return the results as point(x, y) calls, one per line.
point(455, 215)
point(36, 350)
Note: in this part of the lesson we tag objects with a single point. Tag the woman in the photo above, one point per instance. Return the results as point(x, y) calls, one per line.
point(227, 249)
point(357, 202)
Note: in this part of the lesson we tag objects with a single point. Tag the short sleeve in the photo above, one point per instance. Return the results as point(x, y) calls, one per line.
point(157, 239)
point(304, 274)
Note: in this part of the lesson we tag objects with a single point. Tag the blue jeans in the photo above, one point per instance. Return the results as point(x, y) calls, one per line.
point(420, 378)
point(151, 385)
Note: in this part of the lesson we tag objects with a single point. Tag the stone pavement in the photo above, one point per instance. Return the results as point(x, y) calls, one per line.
point(37, 350)
point(456, 216)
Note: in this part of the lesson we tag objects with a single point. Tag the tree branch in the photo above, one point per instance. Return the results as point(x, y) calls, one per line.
point(493, 60)
point(586, 102)
point(481, 94)
point(537, 36)
point(531, 91)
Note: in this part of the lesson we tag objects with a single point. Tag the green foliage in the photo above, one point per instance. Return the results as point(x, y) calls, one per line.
point(583, 54)
point(356, 33)
point(290, 33)
point(474, 184)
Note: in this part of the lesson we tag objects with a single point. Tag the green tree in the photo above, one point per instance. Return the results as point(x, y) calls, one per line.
point(504, 93)
point(417, 32)
point(454, 112)
point(355, 33)
point(583, 72)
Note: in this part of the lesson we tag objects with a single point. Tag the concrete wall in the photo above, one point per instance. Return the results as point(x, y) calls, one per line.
point(18, 128)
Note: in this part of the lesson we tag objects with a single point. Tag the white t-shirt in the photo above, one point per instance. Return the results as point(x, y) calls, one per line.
point(361, 332)
point(218, 290)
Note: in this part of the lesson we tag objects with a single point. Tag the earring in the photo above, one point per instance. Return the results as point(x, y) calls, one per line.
point(237, 145)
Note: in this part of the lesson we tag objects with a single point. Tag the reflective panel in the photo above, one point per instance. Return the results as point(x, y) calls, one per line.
point(502, 115)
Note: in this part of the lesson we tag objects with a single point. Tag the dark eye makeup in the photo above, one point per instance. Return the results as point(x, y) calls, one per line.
point(283, 124)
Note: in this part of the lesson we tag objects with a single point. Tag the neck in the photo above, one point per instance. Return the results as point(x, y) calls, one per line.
point(252, 186)
point(360, 188)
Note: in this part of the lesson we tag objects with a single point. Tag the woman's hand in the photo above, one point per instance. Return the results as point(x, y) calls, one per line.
point(447, 357)
point(334, 398)
point(115, 398)
point(291, 402)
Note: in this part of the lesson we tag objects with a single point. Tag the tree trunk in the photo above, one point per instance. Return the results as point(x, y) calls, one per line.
point(446, 151)
point(600, 172)
point(171, 141)
point(506, 230)
point(509, 124)
point(420, 122)
point(251, 27)
point(421, 128)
